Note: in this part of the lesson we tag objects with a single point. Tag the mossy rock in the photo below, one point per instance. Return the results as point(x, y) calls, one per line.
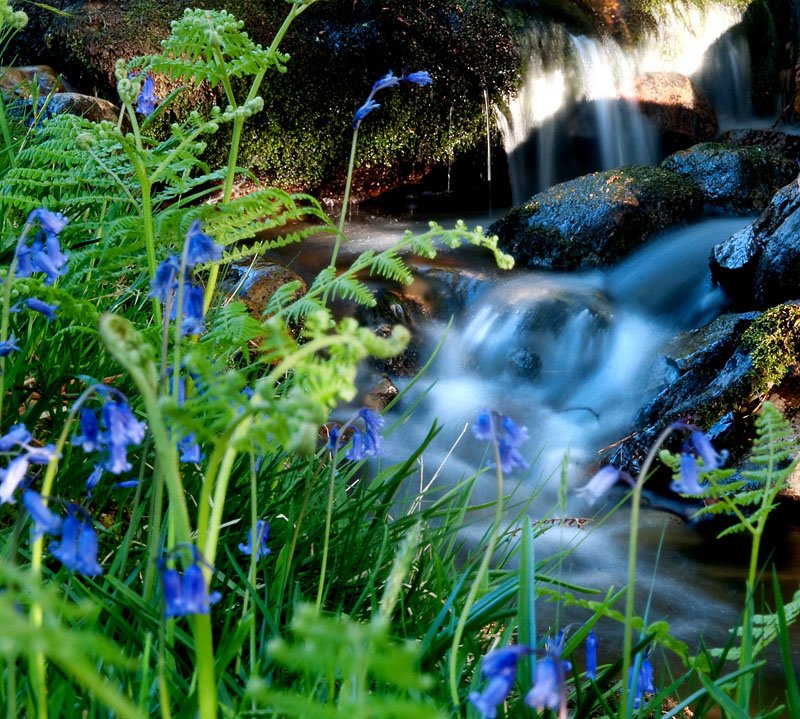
point(597, 219)
point(740, 179)
point(337, 50)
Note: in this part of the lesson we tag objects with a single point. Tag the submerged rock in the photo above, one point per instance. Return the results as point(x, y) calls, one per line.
point(742, 179)
point(595, 220)
point(759, 266)
point(682, 114)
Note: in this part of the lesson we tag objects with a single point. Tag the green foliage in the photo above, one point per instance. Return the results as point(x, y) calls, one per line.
point(774, 343)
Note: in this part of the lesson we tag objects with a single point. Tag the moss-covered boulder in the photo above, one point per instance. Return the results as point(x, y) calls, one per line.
point(595, 220)
point(759, 266)
point(741, 179)
point(337, 50)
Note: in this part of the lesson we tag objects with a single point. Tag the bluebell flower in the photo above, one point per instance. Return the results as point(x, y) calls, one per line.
point(510, 456)
point(201, 247)
point(189, 449)
point(420, 78)
point(11, 478)
point(8, 346)
point(94, 478)
point(600, 483)
point(147, 101)
point(711, 458)
point(356, 451)
point(42, 308)
point(41, 455)
point(16, 436)
point(44, 520)
point(51, 222)
point(689, 477)
point(333, 437)
point(388, 80)
point(499, 667)
point(187, 594)
point(127, 484)
point(89, 438)
point(122, 429)
point(363, 111)
point(25, 266)
point(483, 429)
point(373, 442)
point(643, 682)
point(549, 681)
point(165, 279)
point(501, 429)
point(51, 262)
point(77, 550)
point(257, 537)
point(193, 322)
point(366, 443)
point(591, 655)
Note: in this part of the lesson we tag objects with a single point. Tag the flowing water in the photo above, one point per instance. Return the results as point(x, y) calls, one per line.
point(573, 356)
point(572, 114)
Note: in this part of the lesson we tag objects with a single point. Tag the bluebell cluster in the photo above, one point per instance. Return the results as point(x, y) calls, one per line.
point(147, 100)
point(257, 537)
point(550, 676)
point(366, 443)
point(187, 593)
point(199, 249)
point(420, 78)
point(506, 434)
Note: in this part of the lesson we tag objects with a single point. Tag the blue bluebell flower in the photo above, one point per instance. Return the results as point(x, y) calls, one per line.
point(549, 681)
point(599, 484)
point(501, 429)
point(49, 311)
point(333, 437)
point(187, 594)
point(420, 78)
point(388, 80)
point(89, 438)
point(77, 550)
point(257, 537)
point(591, 655)
point(499, 667)
point(641, 683)
point(366, 443)
point(94, 478)
point(52, 264)
point(689, 482)
point(25, 266)
point(41, 455)
point(356, 451)
point(147, 101)
point(165, 279)
point(201, 248)
point(122, 430)
point(193, 322)
point(11, 478)
point(189, 449)
point(711, 458)
point(127, 484)
point(483, 429)
point(363, 111)
point(51, 222)
point(18, 435)
point(8, 346)
point(44, 520)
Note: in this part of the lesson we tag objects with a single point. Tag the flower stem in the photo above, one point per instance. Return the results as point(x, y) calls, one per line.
point(479, 577)
point(636, 499)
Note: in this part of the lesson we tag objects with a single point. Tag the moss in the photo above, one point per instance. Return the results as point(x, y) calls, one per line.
point(774, 343)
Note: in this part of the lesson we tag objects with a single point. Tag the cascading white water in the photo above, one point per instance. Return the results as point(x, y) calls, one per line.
point(570, 115)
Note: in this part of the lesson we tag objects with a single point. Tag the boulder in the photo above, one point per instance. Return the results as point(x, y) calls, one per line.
point(682, 114)
point(20, 80)
point(741, 179)
point(73, 103)
point(759, 266)
point(781, 142)
point(254, 286)
point(596, 219)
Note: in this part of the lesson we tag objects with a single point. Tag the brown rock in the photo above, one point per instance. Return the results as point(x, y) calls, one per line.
point(73, 103)
point(681, 113)
point(258, 283)
point(20, 80)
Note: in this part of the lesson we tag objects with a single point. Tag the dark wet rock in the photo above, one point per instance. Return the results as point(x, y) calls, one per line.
point(715, 386)
point(781, 142)
point(525, 363)
point(380, 394)
point(759, 266)
point(259, 283)
point(455, 287)
point(73, 103)
point(595, 220)
point(672, 102)
point(742, 179)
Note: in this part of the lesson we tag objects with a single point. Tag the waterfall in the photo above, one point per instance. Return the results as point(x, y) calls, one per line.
point(570, 116)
